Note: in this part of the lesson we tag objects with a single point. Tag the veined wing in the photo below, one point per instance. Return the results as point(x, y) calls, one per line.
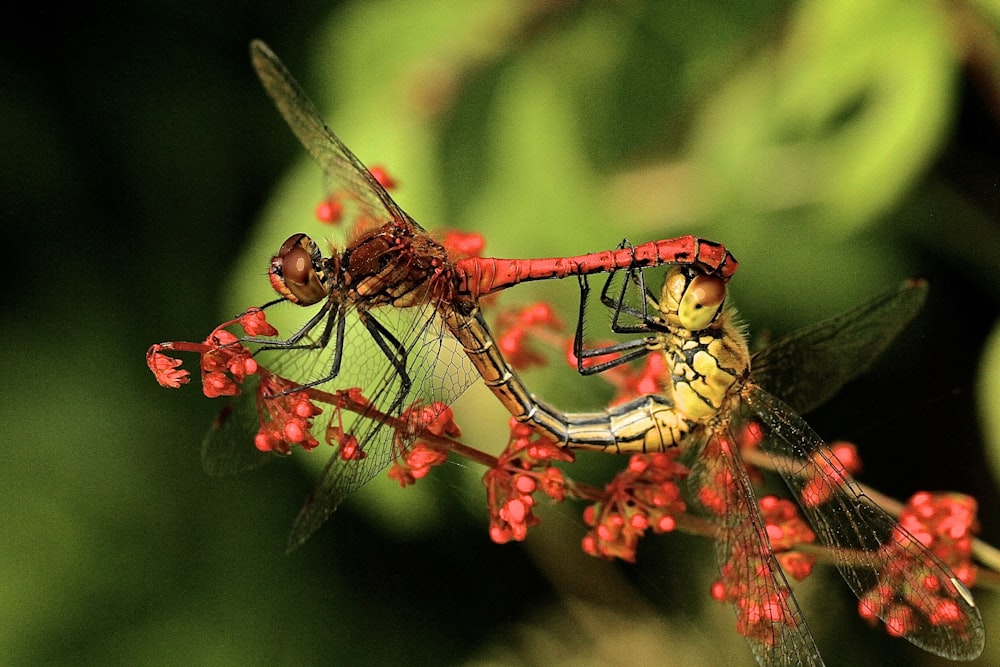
point(810, 365)
point(872, 552)
point(228, 447)
point(768, 616)
point(439, 372)
point(342, 167)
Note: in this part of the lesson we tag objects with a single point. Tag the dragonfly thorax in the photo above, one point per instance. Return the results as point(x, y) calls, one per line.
point(704, 369)
point(392, 265)
point(706, 353)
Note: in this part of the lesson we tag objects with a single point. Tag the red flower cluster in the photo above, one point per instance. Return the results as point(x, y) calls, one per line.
point(382, 176)
point(759, 604)
point(944, 523)
point(225, 361)
point(838, 462)
point(717, 482)
point(759, 608)
point(524, 467)
point(716, 485)
point(909, 594)
point(786, 530)
point(414, 462)
point(285, 415)
point(629, 380)
point(348, 447)
point(330, 211)
point(285, 418)
point(643, 495)
point(745, 580)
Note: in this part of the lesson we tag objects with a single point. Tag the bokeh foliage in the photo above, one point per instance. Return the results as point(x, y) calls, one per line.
point(835, 147)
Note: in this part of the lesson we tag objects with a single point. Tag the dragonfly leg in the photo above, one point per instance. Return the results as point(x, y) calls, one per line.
point(628, 350)
point(293, 341)
point(647, 323)
point(617, 304)
point(394, 351)
point(322, 342)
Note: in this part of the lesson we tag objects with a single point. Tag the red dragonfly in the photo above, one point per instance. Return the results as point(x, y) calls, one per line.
point(714, 406)
point(398, 284)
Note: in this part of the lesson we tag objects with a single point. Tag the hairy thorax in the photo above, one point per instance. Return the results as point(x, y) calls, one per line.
point(393, 266)
point(705, 367)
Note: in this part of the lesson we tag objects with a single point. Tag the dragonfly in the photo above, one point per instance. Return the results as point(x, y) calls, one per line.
point(716, 394)
point(395, 316)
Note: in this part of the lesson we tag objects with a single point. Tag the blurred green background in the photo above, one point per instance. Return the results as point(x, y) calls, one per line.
point(835, 147)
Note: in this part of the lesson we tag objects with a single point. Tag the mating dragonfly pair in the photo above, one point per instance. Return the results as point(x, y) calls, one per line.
point(425, 341)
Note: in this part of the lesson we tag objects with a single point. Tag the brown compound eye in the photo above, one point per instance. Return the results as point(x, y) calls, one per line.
point(298, 272)
point(702, 302)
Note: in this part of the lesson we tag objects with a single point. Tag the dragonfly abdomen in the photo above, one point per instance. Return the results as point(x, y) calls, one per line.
point(479, 276)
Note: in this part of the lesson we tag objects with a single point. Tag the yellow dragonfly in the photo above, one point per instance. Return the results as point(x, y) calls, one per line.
point(712, 403)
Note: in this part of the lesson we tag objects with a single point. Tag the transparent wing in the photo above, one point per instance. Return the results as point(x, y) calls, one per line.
point(768, 616)
point(228, 447)
point(810, 365)
point(366, 202)
point(438, 369)
point(875, 556)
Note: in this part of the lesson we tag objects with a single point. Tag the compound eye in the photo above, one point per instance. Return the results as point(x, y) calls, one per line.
point(701, 302)
point(298, 273)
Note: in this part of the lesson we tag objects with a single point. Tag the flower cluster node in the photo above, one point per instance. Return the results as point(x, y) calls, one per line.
point(413, 462)
point(286, 418)
point(945, 523)
point(166, 369)
point(759, 605)
point(225, 365)
point(254, 323)
point(416, 463)
point(716, 484)
point(527, 450)
point(628, 380)
point(650, 379)
point(350, 448)
point(837, 462)
point(434, 418)
point(510, 509)
point(745, 579)
point(785, 527)
point(644, 495)
point(785, 530)
point(751, 435)
point(381, 174)
point(330, 211)
point(225, 362)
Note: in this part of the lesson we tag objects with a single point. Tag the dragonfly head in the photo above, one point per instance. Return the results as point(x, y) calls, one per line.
point(692, 299)
point(299, 273)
